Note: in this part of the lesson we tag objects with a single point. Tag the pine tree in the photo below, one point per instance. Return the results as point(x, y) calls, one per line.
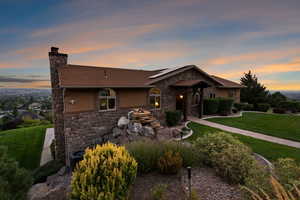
point(254, 92)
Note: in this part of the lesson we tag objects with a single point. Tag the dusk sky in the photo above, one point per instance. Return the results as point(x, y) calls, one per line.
point(222, 37)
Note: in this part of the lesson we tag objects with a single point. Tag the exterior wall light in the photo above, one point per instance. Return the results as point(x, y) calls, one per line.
point(181, 96)
point(156, 104)
point(72, 101)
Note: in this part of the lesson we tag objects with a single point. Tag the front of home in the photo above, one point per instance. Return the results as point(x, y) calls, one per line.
point(88, 101)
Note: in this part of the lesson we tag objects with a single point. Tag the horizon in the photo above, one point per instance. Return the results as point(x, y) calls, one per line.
point(225, 39)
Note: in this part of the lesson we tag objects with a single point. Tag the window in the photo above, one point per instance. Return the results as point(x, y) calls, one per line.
point(231, 93)
point(212, 95)
point(107, 100)
point(196, 99)
point(154, 98)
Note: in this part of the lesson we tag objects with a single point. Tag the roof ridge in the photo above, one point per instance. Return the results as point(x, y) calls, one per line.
point(117, 68)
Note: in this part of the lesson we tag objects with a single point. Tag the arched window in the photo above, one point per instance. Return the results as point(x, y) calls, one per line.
point(154, 98)
point(196, 98)
point(107, 99)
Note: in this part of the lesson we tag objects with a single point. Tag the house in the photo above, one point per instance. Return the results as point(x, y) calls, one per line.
point(35, 106)
point(88, 101)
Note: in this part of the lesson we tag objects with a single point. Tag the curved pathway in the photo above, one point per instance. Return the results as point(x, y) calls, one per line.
point(246, 133)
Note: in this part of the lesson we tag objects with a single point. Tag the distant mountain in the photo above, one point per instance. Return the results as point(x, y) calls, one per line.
point(24, 91)
point(292, 94)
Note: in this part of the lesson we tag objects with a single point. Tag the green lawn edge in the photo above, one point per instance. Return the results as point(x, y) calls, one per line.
point(286, 126)
point(25, 145)
point(269, 150)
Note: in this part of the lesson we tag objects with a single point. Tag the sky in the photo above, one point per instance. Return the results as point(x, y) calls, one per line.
point(223, 37)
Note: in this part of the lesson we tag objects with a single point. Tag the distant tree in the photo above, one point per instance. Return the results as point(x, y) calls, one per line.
point(15, 112)
point(276, 98)
point(254, 92)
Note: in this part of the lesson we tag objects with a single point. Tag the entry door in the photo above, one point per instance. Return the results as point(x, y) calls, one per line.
point(180, 102)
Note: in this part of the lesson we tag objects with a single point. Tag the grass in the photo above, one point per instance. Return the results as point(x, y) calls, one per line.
point(278, 125)
point(25, 145)
point(269, 150)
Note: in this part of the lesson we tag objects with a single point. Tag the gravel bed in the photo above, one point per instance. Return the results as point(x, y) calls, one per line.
point(211, 187)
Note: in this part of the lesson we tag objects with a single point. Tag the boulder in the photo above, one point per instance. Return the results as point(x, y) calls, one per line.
point(135, 128)
point(116, 132)
point(56, 187)
point(123, 122)
point(148, 131)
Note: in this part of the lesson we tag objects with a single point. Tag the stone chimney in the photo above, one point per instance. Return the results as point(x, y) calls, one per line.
point(58, 60)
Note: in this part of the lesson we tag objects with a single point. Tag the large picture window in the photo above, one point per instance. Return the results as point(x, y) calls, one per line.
point(107, 100)
point(154, 98)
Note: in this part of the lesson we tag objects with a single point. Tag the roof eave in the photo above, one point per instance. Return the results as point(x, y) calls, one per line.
point(108, 86)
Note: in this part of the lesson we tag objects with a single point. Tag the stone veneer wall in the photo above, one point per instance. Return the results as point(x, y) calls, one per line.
point(168, 94)
point(88, 128)
point(57, 60)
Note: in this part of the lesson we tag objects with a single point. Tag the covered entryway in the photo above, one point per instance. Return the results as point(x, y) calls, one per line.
point(186, 87)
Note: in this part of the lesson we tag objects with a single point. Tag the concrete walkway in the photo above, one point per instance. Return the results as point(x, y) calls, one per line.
point(46, 153)
point(247, 133)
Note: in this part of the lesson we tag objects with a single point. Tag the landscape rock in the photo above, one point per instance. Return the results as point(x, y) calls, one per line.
point(56, 187)
point(117, 132)
point(148, 131)
point(123, 122)
point(135, 127)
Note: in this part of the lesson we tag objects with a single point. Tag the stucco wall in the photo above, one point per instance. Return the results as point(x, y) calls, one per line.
point(83, 100)
point(87, 99)
point(129, 98)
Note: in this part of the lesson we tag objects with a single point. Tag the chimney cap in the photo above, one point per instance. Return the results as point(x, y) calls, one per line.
point(54, 49)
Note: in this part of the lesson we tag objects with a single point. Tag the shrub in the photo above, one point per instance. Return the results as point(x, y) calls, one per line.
point(147, 154)
point(158, 192)
point(106, 172)
point(14, 181)
point(278, 192)
point(240, 106)
point(279, 110)
point(33, 122)
point(249, 107)
point(291, 106)
point(170, 163)
point(173, 117)
point(225, 106)
point(229, 157)
point(40, 174)
point(262, 107)
point(210, 106)
point(288, 172)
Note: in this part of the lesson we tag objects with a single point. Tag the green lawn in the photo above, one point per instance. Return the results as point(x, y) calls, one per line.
point(269, 150)
point(282, 126)
point(25, 145)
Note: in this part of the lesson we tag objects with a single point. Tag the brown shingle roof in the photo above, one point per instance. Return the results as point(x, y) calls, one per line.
point(226, 83)
point(87, 76)
point(77, 76)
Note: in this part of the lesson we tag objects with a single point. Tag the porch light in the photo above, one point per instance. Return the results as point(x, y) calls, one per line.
point(181, 96)
point(156, 104)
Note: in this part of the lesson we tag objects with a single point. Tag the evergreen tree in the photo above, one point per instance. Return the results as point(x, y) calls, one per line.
point(253, 92)
point(276, 98)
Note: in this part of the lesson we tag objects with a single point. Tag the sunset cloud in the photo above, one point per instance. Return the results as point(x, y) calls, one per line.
point(224, 38)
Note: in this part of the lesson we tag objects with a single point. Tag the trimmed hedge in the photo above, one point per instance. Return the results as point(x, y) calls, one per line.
point(225, 106)
point(279, 110)
point(249, 107)
point(262, 107)
point(173, 117)
point(211, 106)
point(291, 106)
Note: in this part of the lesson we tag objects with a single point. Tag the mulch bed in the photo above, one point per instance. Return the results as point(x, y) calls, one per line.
point(211, 187)
point(141, 189)
point(204, 181)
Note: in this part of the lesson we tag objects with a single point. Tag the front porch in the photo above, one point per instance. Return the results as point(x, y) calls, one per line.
point(186, 91)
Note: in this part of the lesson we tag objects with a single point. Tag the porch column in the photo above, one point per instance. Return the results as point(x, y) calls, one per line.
point(201, 103)
point(185, 106)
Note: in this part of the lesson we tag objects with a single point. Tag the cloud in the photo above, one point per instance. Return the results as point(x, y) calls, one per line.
point(279, 85)
point(9, 79)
